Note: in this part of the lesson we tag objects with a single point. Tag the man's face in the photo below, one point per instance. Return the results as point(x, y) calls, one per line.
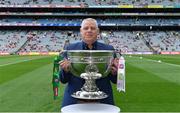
point(89, 32)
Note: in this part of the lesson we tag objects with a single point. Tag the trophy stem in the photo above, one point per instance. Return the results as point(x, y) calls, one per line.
point(90, 79)
point(90, 89)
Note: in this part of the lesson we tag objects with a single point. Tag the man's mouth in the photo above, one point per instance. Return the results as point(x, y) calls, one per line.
point(89, 34)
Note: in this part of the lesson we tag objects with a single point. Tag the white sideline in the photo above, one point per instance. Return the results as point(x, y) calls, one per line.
point(19, 61)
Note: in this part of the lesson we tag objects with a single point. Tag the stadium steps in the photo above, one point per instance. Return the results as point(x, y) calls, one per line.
point(148, 45)
point(23, 45)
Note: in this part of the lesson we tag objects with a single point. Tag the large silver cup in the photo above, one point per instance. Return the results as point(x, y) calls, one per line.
point(90, 65)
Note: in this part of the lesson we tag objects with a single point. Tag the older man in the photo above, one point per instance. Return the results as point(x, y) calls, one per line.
point(89, 31)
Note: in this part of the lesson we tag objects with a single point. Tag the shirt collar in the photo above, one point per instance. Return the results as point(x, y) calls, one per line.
point(85, 46)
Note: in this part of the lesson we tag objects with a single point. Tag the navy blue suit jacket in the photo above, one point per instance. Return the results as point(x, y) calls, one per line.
point(75, 83)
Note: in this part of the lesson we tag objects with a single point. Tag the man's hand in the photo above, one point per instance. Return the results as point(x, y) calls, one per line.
point(114, 66)
point(65, 65)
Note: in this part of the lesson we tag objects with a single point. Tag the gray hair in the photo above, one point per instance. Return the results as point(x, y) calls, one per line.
point(89, 19)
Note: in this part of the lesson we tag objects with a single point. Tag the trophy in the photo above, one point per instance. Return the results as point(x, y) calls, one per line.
point(90, 65)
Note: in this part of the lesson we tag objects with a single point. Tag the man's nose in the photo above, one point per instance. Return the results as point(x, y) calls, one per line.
point(89, 29)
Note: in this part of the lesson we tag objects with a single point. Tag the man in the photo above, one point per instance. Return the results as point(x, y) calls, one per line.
point(89, 31)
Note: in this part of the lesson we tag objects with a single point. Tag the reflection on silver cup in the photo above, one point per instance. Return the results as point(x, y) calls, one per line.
point(90, 65)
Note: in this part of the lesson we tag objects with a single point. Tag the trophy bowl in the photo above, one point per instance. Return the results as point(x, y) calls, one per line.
point(90, 65)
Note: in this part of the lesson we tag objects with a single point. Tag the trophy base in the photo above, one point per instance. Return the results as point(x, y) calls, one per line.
point(89, 95)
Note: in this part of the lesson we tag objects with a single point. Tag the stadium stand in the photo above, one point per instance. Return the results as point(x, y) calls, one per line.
point(12, 41)
point(125, 21)
point(163, 41)
point(41, 41)
point(49, 29)
point(90, 2)
point(54, 41)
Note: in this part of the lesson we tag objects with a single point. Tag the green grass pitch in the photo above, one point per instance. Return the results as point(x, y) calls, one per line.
point(152, 84)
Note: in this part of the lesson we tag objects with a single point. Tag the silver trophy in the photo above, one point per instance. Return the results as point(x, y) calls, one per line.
point(90, 65)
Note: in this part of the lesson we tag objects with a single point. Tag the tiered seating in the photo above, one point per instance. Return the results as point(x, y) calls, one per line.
point(126, 21)
point(126, 41)
point(163, 41)
point(45, 41)
point(90, 2)
point(12, 41)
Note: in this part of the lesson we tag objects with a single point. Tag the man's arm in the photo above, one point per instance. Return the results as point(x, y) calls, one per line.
point(113, 78)
point(64, 74)
point(114, 67)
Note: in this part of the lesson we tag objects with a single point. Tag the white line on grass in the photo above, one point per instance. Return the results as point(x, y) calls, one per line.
point(19, 61)
point(162, 62)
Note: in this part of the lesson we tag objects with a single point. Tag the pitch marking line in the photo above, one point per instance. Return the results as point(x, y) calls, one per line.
point(162, 62)
point(19, 61)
